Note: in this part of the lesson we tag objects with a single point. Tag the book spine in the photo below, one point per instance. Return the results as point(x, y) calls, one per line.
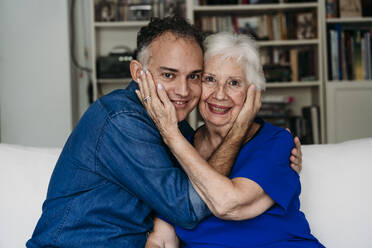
point(331, 8)
point(334, 54)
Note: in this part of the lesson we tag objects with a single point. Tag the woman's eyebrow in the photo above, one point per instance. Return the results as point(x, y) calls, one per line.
point(235, 77)
point(210, 74)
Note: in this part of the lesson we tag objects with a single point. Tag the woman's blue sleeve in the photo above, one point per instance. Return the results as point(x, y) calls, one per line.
point(269, 166)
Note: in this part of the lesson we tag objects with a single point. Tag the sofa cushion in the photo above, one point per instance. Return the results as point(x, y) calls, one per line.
point(336, 192)
point(24, 178)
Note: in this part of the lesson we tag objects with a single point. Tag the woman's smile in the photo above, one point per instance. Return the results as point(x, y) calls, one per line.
point(218, 109)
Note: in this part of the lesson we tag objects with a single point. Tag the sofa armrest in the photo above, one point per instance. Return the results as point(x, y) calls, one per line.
point(336, 192)
point(24, 178)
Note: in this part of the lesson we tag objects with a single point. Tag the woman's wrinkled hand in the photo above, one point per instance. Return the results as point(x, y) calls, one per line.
point(248, 112)
point(155, 100)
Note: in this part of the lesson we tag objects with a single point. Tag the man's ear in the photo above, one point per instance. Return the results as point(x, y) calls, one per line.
point(135, 69)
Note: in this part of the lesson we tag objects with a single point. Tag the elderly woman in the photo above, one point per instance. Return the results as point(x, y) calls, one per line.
point(262, 191)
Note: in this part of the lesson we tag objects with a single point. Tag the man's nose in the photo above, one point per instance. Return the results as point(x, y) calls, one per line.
point(182, 88)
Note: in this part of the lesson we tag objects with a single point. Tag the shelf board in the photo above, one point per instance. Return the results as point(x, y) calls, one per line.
point(293, 84)
point(349, 81)
point(254, 7)
point(114, 80)
point(288, 42)
point(350, 20)
point(126, 24)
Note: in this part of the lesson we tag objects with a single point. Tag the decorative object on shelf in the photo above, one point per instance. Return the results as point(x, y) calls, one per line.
point(139, 12)
point(115, 64)
point(105, 11)
point(277, 73)
point(174, 7)
point(306, 25)
point(350, 8)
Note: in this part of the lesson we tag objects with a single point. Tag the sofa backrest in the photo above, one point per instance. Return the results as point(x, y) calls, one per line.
point(335, 197)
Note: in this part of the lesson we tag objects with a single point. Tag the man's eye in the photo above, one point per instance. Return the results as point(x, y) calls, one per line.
point(168, 75)
point(194, 76)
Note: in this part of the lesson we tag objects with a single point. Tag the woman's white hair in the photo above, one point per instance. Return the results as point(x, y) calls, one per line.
point(240, 47)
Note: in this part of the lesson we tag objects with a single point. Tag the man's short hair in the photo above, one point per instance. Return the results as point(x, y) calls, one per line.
point(176, 25)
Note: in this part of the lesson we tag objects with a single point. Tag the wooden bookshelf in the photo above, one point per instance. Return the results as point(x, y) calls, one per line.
point(294, 84)
point(350, 20)
point(273, 43)
point(306, 93)
point(255, 7)
point(348, 100)
point(126, 24)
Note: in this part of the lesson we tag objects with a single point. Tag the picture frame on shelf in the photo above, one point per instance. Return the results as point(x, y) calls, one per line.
point(350, 8)
point(105, 10)
point(306, 25)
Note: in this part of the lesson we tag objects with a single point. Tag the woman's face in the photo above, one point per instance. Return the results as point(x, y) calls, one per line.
point(224, 89)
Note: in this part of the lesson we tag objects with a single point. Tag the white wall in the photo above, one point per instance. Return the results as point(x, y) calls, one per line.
point(35, 79)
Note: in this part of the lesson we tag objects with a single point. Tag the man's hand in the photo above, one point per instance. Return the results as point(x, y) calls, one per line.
point(296, 156)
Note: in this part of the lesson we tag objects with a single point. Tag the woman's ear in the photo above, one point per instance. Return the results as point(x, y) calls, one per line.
point(135, 69)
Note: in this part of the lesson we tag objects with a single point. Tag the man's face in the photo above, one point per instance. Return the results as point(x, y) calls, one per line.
point(177, 64)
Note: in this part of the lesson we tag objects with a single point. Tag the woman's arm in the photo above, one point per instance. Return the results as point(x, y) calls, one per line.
point(236, 199)
point(163, 236)
point(229, 199)
point(233, 199)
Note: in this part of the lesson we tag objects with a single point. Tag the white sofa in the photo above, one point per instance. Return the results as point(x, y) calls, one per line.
point(336, 197)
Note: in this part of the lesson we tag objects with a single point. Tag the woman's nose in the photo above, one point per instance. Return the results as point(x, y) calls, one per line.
point(220, 92)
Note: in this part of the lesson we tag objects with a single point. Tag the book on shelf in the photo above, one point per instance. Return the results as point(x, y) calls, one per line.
point(350, 53)
point(298, 127)
point(312, 116)
point(285, 64)
point(332, 8)
point(229, 2)
point(366, 8)
point(294, 64)
point(275, 109)
point(271, 26)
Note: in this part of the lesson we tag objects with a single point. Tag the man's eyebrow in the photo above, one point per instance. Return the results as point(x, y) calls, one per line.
point(168, 69)
point(197, 71)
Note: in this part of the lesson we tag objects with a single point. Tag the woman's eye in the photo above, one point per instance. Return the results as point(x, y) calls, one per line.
point(234, 83)
point(209, 79)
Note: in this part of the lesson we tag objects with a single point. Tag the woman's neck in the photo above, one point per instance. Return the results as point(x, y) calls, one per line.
point(208, 138)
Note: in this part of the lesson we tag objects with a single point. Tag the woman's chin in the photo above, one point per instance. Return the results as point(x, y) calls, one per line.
point(218, 121)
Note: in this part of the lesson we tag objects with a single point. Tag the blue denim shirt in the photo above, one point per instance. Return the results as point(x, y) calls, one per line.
point(112, 173)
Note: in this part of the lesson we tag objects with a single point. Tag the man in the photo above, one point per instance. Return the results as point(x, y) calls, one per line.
point(115, 170)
